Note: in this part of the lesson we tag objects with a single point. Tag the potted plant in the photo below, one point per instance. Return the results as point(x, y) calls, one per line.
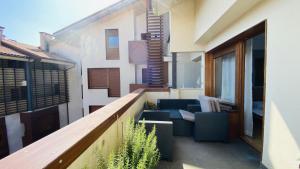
point(137, 151)
point(150, 106)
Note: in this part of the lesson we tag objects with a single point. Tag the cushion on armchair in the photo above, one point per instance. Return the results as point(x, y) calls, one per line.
point(194, 108)
point(187, 115)
point(209, 104)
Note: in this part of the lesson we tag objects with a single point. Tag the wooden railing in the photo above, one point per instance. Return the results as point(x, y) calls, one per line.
point(73, 146)
point(61, 148)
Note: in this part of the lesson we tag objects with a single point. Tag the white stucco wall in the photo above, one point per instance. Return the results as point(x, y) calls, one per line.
point(15, 132)
point(65, 47)
point(182, 27)
point(281, 127)
point(188, 93)
point(63, 115)
point(208, 12)
point(93, 55)
point(140, 25)
point(86, 45)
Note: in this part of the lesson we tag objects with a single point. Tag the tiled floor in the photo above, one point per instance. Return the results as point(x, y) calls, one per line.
point(205, 155)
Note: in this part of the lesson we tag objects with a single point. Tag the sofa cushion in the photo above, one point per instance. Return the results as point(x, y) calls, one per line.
point(187, 115)
point(209, 104)
point(217, 104)
point(173, 113)
point(175, 103)
point(205, 104)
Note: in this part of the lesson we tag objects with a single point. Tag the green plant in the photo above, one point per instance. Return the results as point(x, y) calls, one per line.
point(138, 150)
point(101, 161)
point(150, 106)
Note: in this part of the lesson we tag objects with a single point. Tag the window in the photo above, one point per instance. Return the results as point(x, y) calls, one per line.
point(105, 78)
point(112, 44)
point(225, 77)
point(18, 93)
point(49, 85)
point(188, 71)
point(144, 75)
point(13, 93)
point(56, 89)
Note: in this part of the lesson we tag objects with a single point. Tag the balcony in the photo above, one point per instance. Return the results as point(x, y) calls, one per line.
point(74, 145)
point(138, 52)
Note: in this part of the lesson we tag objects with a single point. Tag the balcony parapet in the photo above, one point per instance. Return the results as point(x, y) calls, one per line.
point(73, 146)
point(61, 148)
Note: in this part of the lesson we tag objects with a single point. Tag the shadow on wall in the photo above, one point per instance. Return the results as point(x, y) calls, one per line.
point(281, 134)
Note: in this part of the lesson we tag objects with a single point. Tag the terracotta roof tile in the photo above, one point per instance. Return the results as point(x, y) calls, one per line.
point(9, 52)
point(31, 51)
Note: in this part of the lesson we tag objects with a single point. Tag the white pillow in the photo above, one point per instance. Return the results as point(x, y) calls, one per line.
point(187, 115)
point(217, 105)
point(205, 104)
point(209, 104)
point(212, 104)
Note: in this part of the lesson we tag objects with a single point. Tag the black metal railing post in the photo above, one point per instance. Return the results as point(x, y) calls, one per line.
point(28, 77)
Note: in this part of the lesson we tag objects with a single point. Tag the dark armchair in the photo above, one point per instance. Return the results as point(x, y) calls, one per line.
point(211, 126)
point(164, 130)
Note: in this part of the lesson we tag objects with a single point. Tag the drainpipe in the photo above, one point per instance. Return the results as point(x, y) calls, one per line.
point(174, 70)
point(1, 33)
point(28, 75)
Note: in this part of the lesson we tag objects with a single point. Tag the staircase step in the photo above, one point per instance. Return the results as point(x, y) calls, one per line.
point(156, 80)
point(155, 38)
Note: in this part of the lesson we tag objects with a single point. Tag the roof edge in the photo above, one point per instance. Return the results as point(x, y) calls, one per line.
point(100, 14)
point(33, 55)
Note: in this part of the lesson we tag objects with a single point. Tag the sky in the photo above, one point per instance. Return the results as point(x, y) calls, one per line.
point(24, 19)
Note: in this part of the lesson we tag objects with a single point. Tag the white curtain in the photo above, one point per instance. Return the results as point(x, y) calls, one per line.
point(248, 119)
point(228, 78)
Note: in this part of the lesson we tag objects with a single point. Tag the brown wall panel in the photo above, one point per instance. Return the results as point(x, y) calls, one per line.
point(93, 108)
point(105, 78)
point(39, 124)
point(97, 78)
point(114, 82)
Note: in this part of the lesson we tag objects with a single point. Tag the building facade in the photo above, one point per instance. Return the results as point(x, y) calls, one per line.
point(33, 92)
point(248, 44)
point(112, 49)
point(89, 64)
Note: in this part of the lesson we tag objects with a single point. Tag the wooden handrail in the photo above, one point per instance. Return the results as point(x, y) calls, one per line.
point(61, 148)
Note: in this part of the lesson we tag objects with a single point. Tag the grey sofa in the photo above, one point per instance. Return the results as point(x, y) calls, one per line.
point(164, 130)
point(208, 126)
point(181, 127)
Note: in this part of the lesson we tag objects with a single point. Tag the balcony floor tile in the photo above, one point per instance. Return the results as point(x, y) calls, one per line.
point(206, 155)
